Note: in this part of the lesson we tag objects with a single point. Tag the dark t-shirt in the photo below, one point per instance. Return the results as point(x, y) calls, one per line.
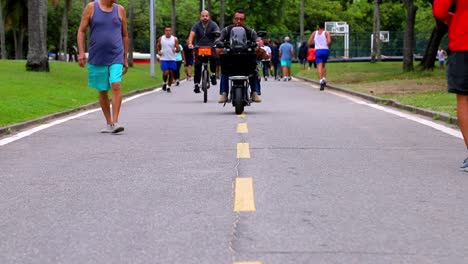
point(203, 35)
point(251, 34)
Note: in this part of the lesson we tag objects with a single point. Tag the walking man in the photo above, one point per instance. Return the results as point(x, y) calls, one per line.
point(107, 61)
point(322, 41)
point(167, 47)
point(202, 35)
point(286, 53)
point(457, 67)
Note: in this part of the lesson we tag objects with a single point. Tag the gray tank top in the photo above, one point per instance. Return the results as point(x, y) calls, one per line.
point(105, 42)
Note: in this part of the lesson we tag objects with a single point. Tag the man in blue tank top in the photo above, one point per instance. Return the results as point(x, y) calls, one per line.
point(107, 60)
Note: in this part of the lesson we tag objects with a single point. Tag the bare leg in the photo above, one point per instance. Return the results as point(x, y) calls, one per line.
point(462, 109)
point(171, 77)
point(319, 70)
point(105, 106)
point(116, 101)
point(284, 70)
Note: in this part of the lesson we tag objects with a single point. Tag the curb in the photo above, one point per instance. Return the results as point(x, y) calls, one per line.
point(11, 129)
point(388, 102)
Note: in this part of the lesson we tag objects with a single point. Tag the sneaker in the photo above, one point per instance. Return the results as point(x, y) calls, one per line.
point(266, 78)
point(164, 87)
point(108, 129)
point(197, 88)
point(117, 128)
point(285, 79)
point(464, 166)
point(168, 89)
point(177, 83)
point(223, 98)
point(213, 79)
point(256, 98)
point(289, 78)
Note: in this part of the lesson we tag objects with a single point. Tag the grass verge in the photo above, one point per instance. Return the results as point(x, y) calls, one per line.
point(29, 95)
point(424, 89)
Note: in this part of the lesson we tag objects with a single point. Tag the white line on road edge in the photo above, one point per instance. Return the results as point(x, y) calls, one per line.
point(447, 130)
point(59, 121)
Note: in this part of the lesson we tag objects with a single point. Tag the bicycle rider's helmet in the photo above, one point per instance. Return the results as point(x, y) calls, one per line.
point(238, 39)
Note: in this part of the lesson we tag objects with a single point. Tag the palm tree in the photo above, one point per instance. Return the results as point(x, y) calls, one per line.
point(3, 54)
point(63, 44)
point(376, 32)
point(408, 40)
point(221, 13)
point(37, 59)
point(16, 13)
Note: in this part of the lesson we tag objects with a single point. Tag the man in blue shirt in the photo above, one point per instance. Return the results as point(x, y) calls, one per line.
point(286, 52)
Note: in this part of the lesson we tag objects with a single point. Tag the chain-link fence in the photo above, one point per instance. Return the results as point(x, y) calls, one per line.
point(360, 43)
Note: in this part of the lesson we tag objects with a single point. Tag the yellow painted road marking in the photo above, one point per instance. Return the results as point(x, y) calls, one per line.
point(241, 115)
point(248, 262)
point(243, 195)
point(243, 151)
point(242, 128)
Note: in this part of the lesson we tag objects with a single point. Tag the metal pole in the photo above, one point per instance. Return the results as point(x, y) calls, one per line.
point(203, 5)
point(152, 38)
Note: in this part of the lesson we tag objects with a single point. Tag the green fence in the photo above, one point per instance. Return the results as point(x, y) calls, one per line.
point(360, 43)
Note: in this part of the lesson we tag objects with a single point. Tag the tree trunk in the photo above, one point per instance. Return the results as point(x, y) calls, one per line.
point(301, 20)
point(63, 45)
point(376, 33)
point(130, 33)
point(37, 59)
point(408, 41)
point(208, 6)
point(430, 53)
point(18, 39)
point(3, 52)
point(221, 13)
point(173, 18)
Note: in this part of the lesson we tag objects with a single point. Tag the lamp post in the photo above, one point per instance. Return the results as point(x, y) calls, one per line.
point(152, 38)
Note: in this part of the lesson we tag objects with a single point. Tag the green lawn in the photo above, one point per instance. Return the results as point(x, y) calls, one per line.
point(426, 89)
point(28, 95)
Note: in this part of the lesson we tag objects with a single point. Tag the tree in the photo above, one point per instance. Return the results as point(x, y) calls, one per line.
point(439, 31)
point(301, 20)
point(408, 39)
point(376, 32)
point(37, 59)
point(130, 33)
point(173, 18)
point(221, 13)
point(63, 44)
point(3, 53)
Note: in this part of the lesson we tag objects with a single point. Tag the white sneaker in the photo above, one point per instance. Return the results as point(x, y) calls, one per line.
point(117, 128)
point(107, 129)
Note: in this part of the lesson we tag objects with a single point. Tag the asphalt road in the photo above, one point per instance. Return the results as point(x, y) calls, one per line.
point(303, 177)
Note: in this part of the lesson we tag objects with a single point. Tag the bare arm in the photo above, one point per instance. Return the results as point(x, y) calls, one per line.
point(85, 18)
point(123, 16)
point(176, 44)
point(311, 39)
point(190, 40)
point(158, 46)
point(329, 41)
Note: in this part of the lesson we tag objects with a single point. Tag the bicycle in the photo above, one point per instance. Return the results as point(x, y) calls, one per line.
point(204, 54)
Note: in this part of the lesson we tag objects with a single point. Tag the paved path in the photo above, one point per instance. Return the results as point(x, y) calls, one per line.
point(304, 177)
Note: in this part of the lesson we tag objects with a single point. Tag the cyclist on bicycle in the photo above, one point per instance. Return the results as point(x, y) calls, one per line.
point(202, 34)
point(239, 21)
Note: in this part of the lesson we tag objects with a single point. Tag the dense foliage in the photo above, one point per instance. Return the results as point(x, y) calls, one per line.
point(276, 17)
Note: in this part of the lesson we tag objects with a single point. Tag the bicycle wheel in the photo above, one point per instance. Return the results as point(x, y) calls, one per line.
point(205, 81)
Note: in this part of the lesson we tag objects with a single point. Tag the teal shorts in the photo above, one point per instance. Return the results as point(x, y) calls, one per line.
point(285, 63)
point(100, 77)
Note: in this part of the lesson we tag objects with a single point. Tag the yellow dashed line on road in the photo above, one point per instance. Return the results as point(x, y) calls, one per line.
point(241, 115)
point(243, 151)
point(243, 195)
point(242, 128)
point(248, 262)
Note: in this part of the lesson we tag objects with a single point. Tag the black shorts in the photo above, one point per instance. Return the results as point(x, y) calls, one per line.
point(457, 72)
